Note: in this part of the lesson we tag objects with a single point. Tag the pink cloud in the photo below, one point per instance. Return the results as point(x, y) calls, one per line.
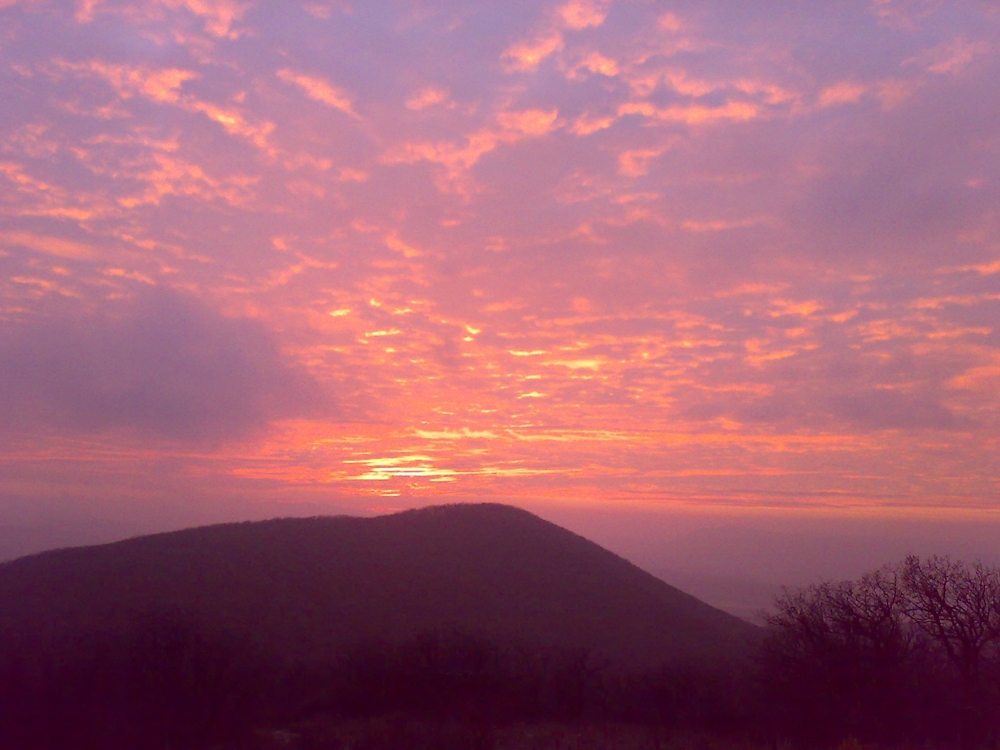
point(845, 92)
point(583, 14)
point(219, 15)
point(577, 249)
point(320, 91)
point(427, 97)
point(526, 55)
point(950, 57)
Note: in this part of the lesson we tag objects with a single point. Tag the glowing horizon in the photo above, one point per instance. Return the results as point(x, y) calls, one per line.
point(384, 255)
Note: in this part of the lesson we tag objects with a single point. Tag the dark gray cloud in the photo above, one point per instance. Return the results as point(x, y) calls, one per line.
point(880, 409)
point(908, 182)
point(861, 410)
point(162, 366)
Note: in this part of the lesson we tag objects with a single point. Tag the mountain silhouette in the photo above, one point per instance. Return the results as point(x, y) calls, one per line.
point(309, 588)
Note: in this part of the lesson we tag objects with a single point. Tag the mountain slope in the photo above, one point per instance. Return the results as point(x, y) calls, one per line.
point(308, 588)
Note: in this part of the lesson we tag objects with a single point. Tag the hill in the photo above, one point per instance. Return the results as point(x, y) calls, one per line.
point(308, 588)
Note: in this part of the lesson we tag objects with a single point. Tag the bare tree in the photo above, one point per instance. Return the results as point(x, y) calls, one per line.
point(836, 654)
point(907, 646)
point(958, 607)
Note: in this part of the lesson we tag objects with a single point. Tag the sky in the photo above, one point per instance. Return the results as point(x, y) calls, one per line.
point(712, 258)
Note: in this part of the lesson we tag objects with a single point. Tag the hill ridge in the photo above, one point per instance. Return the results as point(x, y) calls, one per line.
point(310, 587)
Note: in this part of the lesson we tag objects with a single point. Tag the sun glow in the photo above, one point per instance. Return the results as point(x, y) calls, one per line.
point(579, 251)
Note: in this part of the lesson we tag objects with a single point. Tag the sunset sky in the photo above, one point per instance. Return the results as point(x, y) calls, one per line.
point(706, 255)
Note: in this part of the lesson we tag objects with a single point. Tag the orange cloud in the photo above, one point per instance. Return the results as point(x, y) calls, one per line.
point(670, 22)
point(583, 14)
point(513, 126)
point(85, 10)
point(171, 175)
point(162, 85)
point(234, 123)
point(319, 90)
point(219, 15)
point(395, 243)
point(587, 124)
point(694, 114)
point(844, 92)
point(595, 63)
point(427, 97)
point(529, 122)
point(635, 162)
point(904, 14)
point(596, 309)
point(165, 87)
point(725, 224)
point(527, 55)
point(49, 245)
point(951, 57)
point(575, 15)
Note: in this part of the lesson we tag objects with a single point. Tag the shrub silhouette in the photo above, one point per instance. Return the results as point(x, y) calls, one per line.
point(162, 682)
point(907, 652)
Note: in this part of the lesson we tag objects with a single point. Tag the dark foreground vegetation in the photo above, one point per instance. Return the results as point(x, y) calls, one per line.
point(165, 684)
point(906, 656)
point(907, 653)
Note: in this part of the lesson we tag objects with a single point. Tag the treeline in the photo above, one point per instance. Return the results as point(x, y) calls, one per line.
point(167, 682)
point(909, 654)
point(162, 682)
